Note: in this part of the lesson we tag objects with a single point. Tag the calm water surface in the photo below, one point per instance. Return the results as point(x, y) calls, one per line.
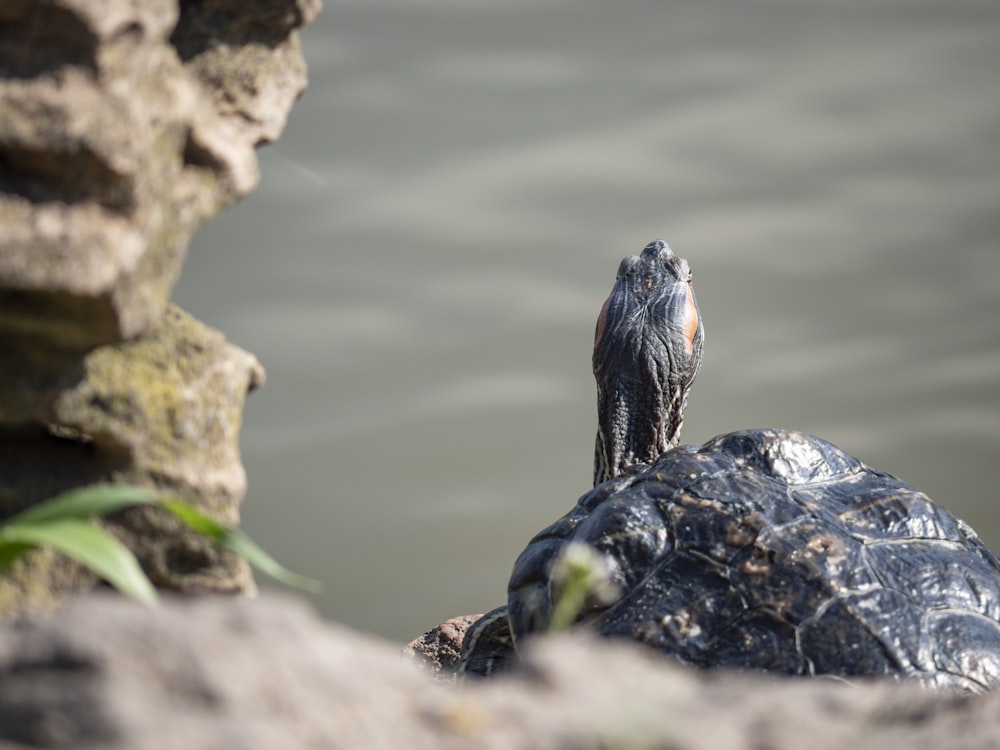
point(422, 267)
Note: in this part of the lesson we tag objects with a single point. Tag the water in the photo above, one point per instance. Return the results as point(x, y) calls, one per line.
point(422, 267)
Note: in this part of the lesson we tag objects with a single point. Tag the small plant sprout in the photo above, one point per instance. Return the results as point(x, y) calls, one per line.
point(580, 580)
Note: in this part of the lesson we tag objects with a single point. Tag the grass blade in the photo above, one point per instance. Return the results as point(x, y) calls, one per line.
point(91, 546)
point(204, 525)
point(62, 523)
point(239, 543)
point(96, 500)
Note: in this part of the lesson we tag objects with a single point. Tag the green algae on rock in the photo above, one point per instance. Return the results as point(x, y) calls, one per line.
point(162, 412)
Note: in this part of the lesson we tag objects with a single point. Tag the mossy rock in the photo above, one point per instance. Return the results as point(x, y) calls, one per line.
point(162, 412)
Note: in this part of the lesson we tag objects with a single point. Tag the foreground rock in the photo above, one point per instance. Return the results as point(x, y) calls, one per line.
point(221, 673)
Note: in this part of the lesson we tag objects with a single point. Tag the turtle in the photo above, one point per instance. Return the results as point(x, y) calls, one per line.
point(762, 549)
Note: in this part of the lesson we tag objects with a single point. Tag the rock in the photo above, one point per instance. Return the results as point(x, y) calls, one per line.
point(173, 400)
point(212, 673)
point(247, 58)
point(124, 126)
point(440, 649)
point(162, 412)
point(115, 150)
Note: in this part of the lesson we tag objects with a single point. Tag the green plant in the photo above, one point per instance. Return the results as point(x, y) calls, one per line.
point(65, 523)
point(580, 578)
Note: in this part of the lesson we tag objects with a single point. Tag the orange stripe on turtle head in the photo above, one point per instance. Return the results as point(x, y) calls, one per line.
point(689, 326)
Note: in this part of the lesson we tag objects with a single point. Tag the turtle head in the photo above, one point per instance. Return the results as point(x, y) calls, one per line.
point(647, 350)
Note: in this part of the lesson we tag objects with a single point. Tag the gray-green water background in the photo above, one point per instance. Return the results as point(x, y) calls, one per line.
point(421, 269)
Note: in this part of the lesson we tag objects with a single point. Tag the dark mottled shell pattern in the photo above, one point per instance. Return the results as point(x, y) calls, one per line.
point(774, 550)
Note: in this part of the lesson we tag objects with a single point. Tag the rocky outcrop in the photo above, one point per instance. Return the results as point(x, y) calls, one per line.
point(213, 673)
point(124, 126)
point(439, 650)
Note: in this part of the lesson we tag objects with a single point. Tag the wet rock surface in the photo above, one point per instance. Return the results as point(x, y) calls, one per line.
point(218, 672)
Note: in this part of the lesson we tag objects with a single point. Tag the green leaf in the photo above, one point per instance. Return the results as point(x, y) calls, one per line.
point(204, 525)
point(90, 546)
point(60, 522)
point(97, 500)
point(237, 542)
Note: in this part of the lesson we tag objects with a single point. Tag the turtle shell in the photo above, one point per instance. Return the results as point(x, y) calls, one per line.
point(774, 550)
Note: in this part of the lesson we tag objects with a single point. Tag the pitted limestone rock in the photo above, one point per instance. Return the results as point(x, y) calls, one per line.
point(163, 412)
point(247, 58)
point(114, 150)
point(124, 126)
point(210, 673)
